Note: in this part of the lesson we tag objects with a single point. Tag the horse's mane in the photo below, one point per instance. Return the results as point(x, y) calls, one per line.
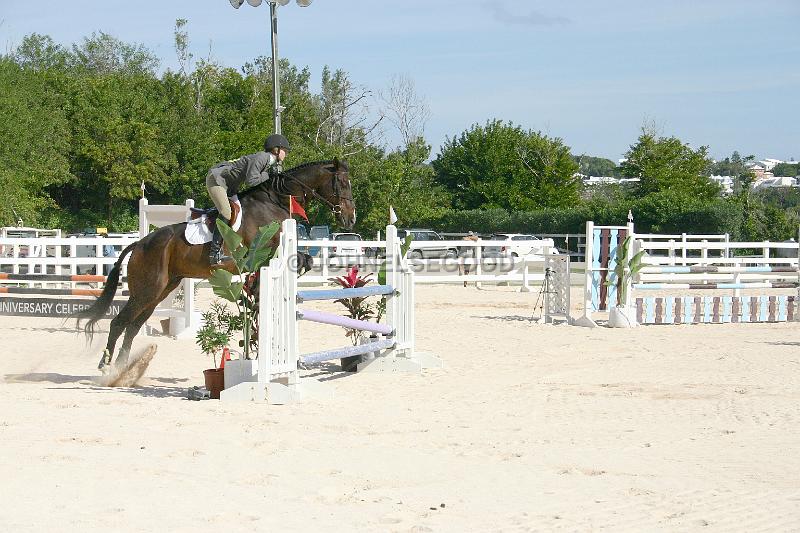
point(277, 183)
point(311, 164)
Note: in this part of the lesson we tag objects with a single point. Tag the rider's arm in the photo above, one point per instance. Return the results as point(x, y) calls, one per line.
point(258, 169)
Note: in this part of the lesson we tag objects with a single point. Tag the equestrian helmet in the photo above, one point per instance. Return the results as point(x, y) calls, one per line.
point(276, 140)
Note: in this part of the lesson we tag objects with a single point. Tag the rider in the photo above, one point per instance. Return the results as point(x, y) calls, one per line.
point(225, 179)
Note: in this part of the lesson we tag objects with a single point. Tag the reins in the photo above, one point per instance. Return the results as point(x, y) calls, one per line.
point(336, 209)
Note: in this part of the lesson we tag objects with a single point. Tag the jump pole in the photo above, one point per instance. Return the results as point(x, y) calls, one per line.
point(274, 378)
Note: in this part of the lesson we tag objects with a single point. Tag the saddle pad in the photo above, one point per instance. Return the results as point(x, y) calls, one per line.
point(198, 232)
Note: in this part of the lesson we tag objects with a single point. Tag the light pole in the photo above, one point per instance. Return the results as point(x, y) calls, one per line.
point(276, 83)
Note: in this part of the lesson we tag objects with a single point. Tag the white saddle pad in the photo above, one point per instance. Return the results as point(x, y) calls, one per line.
point(198, 232)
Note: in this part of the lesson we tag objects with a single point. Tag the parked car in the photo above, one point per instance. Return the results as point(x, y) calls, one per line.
point(419, 235)
point(529, 245)
point(347, 244)
point(314, 234)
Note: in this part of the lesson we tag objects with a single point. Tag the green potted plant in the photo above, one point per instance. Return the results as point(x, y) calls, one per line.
point(623, 315)
point(221, 325)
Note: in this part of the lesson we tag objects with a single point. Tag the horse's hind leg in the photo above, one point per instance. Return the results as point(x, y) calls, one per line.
point(119, 323)
point(136, 324)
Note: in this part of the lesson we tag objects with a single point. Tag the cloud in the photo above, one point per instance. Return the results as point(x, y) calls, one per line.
point(533, 18)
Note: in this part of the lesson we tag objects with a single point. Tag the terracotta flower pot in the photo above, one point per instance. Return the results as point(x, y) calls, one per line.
point(215, 381)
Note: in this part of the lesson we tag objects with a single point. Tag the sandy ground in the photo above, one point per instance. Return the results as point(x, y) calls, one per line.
point(529, 427)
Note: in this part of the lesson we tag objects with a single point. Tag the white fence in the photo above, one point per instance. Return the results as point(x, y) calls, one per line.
point(681, 263)
point(462, 261)
point(96, 255)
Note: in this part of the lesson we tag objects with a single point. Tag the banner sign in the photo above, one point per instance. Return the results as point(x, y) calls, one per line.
point(52, 307)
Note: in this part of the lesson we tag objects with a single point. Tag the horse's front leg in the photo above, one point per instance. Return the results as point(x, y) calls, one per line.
point(304, 263)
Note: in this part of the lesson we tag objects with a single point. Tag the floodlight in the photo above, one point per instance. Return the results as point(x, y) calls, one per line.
point(304, 3)
point(237, 3)
point(254, 3)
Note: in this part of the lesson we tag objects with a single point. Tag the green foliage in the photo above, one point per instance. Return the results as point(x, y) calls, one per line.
point(737, 167)
point(246, 260)
point(219, 325)
point(401, 179)
point(595, 166)
point(667, 164)
point(501, 165)
point(34, 143)
point(625, 269)
point(786, 170)
point(84, 125)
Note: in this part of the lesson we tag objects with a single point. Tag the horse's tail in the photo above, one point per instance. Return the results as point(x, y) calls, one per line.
point(98, 309)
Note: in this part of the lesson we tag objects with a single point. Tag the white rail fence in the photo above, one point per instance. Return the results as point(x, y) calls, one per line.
point(97, 255)
point(462, 261)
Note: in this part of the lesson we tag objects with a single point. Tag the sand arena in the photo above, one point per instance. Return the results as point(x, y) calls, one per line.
point(528, 427)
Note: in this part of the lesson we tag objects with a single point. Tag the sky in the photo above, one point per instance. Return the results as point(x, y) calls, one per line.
point(718, 73)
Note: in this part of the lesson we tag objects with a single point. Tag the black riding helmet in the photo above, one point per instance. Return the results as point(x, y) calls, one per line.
point(276, 140)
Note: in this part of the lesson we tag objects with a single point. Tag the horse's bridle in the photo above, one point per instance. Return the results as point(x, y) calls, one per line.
point(336, 209)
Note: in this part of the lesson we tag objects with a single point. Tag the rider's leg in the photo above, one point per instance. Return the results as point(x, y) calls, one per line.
point(219, 195)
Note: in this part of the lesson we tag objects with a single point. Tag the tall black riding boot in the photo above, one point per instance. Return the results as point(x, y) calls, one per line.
point(215, 251)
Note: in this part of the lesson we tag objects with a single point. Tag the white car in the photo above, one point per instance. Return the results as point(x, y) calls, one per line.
point(347, 244)
point(524, 245)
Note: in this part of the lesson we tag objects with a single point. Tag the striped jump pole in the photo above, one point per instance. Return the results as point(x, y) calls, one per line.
point(85, 278)
point(54, 292)
point(719, 270)
point(713, 286)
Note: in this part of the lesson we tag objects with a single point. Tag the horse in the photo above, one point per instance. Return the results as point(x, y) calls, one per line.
point(161, 259)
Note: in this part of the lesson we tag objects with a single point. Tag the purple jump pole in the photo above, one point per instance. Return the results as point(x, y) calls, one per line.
point(342, 321)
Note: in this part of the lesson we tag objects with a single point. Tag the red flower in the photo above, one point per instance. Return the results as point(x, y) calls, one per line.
point(352, 279)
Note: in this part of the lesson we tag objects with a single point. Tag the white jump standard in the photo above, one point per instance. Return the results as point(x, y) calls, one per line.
point(274, 377)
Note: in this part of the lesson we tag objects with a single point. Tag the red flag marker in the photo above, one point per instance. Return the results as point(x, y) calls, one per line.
point(296, 209)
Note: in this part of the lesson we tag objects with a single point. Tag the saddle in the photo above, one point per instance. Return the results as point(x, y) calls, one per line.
point(212, 213)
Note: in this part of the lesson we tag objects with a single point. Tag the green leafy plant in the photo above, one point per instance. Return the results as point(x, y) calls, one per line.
point(219, 324)
point(625, 270)
point(246, 260)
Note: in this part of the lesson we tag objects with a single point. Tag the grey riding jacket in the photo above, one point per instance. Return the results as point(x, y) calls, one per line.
point(248, 170)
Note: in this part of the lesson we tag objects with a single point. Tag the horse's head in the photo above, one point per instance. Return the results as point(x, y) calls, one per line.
point(336, 190)
point(328, 182)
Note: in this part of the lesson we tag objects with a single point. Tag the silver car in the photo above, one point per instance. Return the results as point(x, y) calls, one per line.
point(433, 252)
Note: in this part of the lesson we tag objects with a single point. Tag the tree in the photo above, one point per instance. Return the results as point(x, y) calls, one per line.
point(501, 165)
point(595, 166)
point(34, 143)
point(665, 164)
point(401, 179)
point(40, 53)
point(345, 118)
point(105, 54)
point(405, 110)
point(786, 169)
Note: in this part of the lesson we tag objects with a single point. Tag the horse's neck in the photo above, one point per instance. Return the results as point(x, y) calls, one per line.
point(278, 195)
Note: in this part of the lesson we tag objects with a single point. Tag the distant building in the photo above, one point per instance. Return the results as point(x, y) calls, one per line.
point(769, 163)
point(726, 182)
point(606, 180)
point(772, 181)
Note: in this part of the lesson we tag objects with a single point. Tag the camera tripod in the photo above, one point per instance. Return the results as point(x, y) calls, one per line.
point(541, 296)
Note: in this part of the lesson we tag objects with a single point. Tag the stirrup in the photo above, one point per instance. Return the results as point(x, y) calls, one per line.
point(218, 258)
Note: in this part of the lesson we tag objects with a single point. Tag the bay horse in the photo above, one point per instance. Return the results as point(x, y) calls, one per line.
point(161, 259)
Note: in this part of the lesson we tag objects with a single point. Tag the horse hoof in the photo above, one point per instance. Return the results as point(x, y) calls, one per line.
point(103, 369)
